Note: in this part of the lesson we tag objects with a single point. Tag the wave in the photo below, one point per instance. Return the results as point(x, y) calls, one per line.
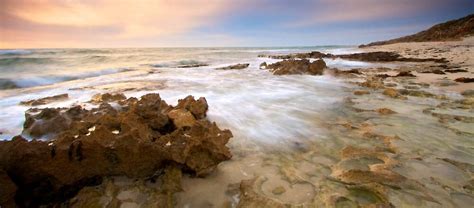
point(180, 64)
point(14, 52)
point(33, 81)
point(23, 61)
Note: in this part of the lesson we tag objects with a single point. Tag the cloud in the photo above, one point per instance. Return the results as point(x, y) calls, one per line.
point(40, 22)
point(337, 11)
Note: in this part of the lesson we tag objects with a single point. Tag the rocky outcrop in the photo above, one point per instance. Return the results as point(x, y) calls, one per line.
point(377, 56)
point(312, 54)
point(236, 66)
point(464, 79)
point(45, 100)
point(382, 56)
point(192, 65)
point(293, 66)
point(107, 97)
point(138, 139)
point(448, 31)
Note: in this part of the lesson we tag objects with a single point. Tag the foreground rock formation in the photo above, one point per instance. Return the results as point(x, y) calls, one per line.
point(137, 138)
point(293, 66)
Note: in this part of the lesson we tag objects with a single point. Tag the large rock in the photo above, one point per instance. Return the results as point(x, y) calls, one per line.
point(136, 140)
point(45, 100)
point(236, 66)
point(303, 66)
point(383, 56)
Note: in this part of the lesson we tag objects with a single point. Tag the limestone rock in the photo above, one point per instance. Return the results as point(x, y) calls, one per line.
point(293, 66)
point(136, 140)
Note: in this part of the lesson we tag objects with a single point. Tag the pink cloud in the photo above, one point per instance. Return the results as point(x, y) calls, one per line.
point(31, 23)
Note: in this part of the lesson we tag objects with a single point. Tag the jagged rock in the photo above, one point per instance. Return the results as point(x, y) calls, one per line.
point(49, 121)
point(464, 80)
point(107, 97)
point(236, 66)
point(181, 118)
point(197, 108)
point(136, 140)
point(292, 66)
point(46, 100)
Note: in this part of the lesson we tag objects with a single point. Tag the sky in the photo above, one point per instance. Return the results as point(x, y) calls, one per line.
point(216, 23)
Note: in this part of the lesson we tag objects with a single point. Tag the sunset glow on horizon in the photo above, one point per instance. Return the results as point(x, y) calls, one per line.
point(169, 23)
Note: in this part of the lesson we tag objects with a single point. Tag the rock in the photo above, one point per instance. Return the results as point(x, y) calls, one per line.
point(107, 97)
point(455, 70)
point(405, 74)
point(383, 76)
point(437, 71)
point(385, 111)
point(7, 190)
point(464, 80)
point(279, 190)
point(468, 93)
point(373, 82)
point(338, 72)
point(383, 56)
point(263, 65)
point(361, 92)
point(181, 118)
point(416, 93)
point(313, 54)
point(192, 65)
point(236, 66)
point(250, 198)
point(393, 93)
point(292, 66)
point(197, 108)
point(46, 100)
point(136, 140)
point(49, 121)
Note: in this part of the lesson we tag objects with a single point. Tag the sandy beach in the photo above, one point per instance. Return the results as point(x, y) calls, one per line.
point(458, 53)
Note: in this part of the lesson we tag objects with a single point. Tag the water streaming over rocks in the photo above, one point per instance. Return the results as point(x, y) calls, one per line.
point(298, 139)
